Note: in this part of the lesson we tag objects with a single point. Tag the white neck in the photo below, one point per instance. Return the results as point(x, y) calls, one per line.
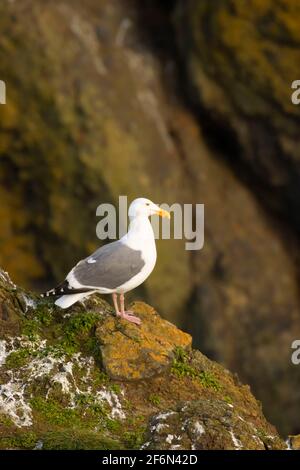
point(140, 232)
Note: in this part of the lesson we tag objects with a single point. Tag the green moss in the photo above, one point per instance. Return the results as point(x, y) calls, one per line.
point(27, 440)
point(113, 425)
point(92, 347)
point(100, 378)
point(44, 315)
point(53, 350)
point(181, 354)
point(228, 399)
point(154, 399)
point(91, 405)
point(96, 378)
point(116, 388)
point(65, 336)
point(261, 433)
point(83, 439)
point(5, 420)
point(207, 379)
point(24, 440)
point(87, 413)
point(81, 323)
point(53, 413)
point(135, 428)
point(18, 358)
point(134, 439)
point(128, 406)
point(37, 321)
point(181, 367)
point(31, 329)
point(76, 333)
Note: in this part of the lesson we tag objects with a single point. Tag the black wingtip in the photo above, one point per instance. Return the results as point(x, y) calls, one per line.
point(59, 290)
point(64, 289)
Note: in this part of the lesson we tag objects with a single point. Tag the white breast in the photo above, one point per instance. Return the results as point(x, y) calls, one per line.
point(140, 237)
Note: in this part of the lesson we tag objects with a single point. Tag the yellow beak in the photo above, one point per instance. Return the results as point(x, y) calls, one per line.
point(163, 213)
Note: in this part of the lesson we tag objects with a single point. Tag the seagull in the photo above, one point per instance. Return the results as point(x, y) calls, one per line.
point(118, 267)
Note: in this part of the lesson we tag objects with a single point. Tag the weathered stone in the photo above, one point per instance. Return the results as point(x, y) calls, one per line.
point(294, 442)
point(207, 425)
point(56, 394)
point(130, 352)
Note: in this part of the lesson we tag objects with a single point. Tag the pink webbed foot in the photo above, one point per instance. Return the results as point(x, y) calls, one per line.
point(122, 313)
point(129, 316)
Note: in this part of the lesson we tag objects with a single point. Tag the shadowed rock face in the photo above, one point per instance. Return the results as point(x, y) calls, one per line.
point(241, 63)
point(101, 117)
point(83, 379)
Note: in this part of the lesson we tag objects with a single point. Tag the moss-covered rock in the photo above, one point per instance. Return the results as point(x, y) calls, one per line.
point(207, 425)
point(84, 379)
point(294, 442)
point(130, 353)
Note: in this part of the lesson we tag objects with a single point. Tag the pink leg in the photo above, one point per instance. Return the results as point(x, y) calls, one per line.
point(115, 300)
point(127, 314)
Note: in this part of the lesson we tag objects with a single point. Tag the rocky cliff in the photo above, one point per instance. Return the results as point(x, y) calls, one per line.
point(241, 63)
point(97, 107)
point(82, 379)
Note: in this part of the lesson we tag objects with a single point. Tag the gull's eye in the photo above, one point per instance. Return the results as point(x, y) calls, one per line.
point(147, 203)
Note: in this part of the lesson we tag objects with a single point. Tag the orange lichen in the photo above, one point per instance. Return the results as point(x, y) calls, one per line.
point(133, 352)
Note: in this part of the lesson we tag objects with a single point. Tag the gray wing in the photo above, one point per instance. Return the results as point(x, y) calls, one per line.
point(109, 267)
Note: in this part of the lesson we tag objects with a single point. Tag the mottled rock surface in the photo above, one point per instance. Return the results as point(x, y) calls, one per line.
point(130, 353)
point(207, 425)
point(294, 442)
point(64, 386)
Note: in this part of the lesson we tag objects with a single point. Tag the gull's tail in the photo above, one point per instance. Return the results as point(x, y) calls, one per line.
point(68, 295)
point(66, 301)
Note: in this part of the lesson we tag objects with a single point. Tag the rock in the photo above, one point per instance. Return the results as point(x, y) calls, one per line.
point(294, 442)
point(106, 119)
point(207, 425)
point(241, 63)
point(130, 353)
point(64, 384)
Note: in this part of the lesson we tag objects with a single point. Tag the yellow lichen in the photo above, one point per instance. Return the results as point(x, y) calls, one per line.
point(149, 346)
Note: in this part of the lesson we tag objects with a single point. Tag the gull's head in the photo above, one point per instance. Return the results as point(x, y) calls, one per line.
point(143, 207)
